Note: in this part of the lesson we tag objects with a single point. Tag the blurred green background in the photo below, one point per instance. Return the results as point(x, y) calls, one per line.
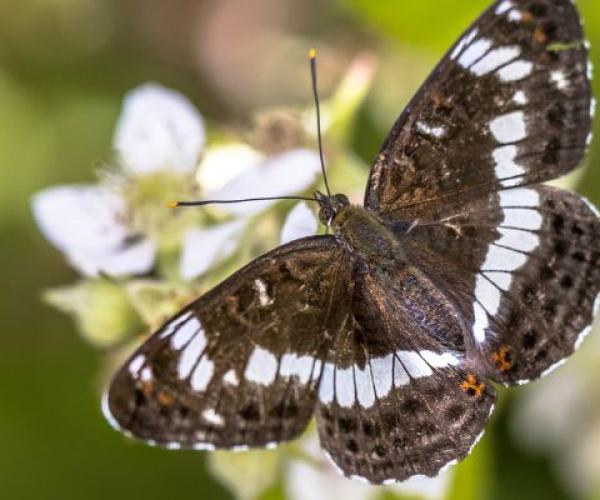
point(64, 68)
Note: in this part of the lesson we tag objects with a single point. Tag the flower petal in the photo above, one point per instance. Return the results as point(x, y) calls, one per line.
point(282, 175)
point(204, 247)
point(220, 164)
point(158, 128)
point(84, 222)
point(300, 222)
point(134, 259)
point(79, 217)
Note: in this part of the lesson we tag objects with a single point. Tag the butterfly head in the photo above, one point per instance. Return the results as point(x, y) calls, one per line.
point(330, 206)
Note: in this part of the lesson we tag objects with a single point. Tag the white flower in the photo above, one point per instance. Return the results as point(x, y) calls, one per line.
point(84, 222)
point(285, 174)
point(158, 129)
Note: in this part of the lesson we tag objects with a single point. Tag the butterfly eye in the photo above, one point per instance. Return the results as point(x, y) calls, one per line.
point(340, 201)
point(327, 214)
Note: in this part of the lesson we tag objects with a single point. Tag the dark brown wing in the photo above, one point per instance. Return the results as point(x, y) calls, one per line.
point(509, 105)
point(523, 267)
point(394, 401)
point(238, 367)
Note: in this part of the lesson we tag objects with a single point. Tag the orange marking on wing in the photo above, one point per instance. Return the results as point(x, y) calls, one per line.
point(503, 359)
point(472, 385)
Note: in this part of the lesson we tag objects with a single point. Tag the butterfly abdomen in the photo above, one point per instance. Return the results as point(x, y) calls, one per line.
point(368, 235)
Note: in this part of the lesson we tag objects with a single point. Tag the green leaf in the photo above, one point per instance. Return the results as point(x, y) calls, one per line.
point(444, 19)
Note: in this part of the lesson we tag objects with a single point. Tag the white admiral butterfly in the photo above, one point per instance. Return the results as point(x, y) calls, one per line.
point(460, 270)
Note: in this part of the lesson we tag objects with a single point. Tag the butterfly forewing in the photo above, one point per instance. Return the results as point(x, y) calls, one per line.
point(394, 401)
point(238, 367)
point(510, 104)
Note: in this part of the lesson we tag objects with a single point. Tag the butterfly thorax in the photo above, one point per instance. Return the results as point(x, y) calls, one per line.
point(368, 235)
point(361, 229)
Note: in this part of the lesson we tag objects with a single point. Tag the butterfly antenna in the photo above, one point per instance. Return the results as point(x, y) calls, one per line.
point(201, 203)
point(312, 54)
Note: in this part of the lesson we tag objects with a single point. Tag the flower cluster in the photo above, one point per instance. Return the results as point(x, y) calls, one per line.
point(119, 233)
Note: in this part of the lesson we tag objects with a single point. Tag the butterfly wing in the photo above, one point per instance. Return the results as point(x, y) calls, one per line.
point(239, 366)
point(393, 400)
point(510, 104)
point(523, 267)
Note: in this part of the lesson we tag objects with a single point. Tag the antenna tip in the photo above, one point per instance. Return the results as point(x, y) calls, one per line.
point(173, 204)
point(312, 53)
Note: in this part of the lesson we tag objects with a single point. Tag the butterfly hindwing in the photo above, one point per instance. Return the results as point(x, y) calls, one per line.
point(393, 400)
point(510, 104)
point(238, 367)
point(523, 266)
point(548, 307)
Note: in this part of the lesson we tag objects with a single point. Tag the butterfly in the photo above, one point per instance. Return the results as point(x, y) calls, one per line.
point(460, 271)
